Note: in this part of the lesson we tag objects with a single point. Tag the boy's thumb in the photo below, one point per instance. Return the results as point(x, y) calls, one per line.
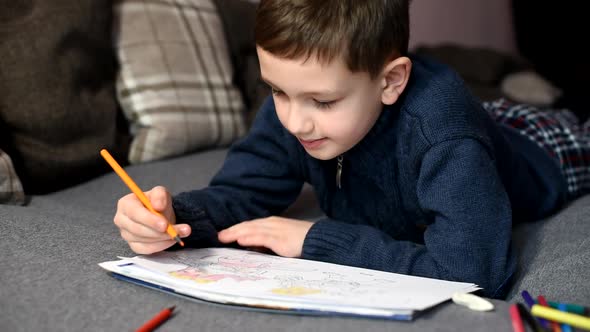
point(159, 198)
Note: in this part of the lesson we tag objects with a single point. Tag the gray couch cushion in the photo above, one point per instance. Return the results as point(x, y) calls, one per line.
point(51, 280)
point(554, 256)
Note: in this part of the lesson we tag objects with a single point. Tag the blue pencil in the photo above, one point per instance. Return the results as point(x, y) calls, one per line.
point(564, 327)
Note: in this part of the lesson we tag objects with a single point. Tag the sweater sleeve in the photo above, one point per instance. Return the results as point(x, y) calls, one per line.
point(260, 177)
point(468, 240)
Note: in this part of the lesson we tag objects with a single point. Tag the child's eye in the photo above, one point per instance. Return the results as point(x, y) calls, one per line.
point(323, 104)
point(275, 92)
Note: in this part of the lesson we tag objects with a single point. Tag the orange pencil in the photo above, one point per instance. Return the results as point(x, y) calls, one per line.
point(138, 192)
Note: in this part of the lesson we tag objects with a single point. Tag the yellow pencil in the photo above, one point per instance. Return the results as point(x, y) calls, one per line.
point(559, 316)
point(138, 192)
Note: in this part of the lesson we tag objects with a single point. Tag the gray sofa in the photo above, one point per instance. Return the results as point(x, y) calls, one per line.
point(51, 280)
point(51, 247)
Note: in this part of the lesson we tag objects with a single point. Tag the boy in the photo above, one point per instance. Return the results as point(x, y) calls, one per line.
point(413, 174)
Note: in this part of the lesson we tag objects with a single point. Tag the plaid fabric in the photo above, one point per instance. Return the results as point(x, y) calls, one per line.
point(175, 82)
point(557, 131)
point(11, 189)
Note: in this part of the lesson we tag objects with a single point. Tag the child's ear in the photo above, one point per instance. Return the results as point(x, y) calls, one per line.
point(395, 76)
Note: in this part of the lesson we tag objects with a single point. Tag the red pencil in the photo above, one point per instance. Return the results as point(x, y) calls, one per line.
point(517, 325)
point(554, 325)
point(158, 319)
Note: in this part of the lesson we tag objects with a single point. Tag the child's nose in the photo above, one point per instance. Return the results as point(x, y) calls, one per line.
point(299, 123)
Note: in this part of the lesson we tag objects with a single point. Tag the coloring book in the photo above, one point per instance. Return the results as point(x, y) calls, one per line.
point(252, 279)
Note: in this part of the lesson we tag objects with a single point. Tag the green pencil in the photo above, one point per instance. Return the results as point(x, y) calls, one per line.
point(573, 308)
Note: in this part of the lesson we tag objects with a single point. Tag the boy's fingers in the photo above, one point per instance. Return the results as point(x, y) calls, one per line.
point(256, 240)
point(135, 237)
point(225, 237)
point(158, 196)
point(128, 224)
point(231, 234)
point(183, 230)
point(242, 230)
point(139, 233)
point(132, 208)
point(150, 248)
point(161, 201)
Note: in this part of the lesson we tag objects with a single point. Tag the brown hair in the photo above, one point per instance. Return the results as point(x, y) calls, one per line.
point(366, 33)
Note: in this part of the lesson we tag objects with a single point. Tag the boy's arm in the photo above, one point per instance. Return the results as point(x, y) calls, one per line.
point(260, 177)
point(469, 239)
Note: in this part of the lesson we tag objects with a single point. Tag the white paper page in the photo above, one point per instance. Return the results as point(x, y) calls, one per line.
point(252, 277)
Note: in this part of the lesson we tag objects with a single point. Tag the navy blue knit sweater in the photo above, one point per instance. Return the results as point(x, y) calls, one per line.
point(432, 190)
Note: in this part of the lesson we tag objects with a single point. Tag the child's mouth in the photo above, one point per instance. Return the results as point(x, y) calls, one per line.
point(313, 143)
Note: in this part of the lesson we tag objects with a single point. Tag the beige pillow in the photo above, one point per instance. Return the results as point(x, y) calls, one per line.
point(11, 189)
point(175, 81)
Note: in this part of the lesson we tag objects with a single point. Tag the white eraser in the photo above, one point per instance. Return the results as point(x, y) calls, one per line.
point(472, 302)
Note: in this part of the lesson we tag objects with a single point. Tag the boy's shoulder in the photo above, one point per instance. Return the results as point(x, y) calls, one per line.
point(437, 97)
point(434, 84)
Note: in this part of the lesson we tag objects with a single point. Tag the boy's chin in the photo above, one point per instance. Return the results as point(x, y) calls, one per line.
point(323, 155)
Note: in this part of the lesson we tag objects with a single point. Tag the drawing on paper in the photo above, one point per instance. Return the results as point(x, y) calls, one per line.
point(202, 276)
point(249, 278)
point(276, 275)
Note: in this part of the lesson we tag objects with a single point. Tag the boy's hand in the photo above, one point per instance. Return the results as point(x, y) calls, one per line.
point(144, 231)
point(282, 235)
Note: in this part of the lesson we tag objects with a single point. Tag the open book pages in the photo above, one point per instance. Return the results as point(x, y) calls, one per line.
point(248, 278)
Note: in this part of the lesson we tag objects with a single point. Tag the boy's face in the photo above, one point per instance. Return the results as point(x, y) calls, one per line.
point(328, 108)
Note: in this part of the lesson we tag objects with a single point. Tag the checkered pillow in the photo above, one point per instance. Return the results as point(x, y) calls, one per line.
point(175, 82)
point(11, 190)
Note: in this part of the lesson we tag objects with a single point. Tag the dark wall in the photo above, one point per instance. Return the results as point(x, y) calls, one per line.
point(551, 35)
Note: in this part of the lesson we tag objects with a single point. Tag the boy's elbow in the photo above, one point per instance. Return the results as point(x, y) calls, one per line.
point(497, 284)
point(495, 278)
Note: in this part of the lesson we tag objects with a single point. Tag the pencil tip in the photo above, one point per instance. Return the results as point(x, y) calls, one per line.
point(172, 308)
point(179, 241)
